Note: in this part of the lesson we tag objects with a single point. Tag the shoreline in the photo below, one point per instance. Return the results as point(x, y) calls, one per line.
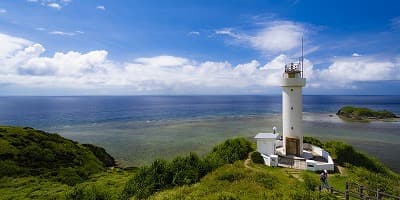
point(134, 143)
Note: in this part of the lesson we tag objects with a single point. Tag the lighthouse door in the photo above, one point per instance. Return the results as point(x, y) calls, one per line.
point(292, 146)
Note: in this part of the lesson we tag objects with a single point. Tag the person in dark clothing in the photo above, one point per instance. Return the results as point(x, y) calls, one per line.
point(324, 179)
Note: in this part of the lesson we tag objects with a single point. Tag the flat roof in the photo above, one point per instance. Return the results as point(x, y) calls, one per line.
point(266, 136)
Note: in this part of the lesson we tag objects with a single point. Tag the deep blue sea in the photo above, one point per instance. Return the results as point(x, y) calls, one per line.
point(138, 129)
point(45, 112)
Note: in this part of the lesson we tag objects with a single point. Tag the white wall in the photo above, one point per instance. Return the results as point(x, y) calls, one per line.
point(292, 98)
point(266, 146)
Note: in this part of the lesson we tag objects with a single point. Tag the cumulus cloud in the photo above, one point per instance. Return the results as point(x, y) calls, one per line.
point(344, 71)
point(24, 65)
point(274, 37)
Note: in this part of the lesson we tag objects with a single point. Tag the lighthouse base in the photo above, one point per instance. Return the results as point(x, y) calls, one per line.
point(293, 146)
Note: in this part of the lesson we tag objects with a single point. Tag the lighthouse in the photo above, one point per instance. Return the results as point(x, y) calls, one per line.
point(288, 149)
point(292, 83)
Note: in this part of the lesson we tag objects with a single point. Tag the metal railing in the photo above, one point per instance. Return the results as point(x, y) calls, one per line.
point(357, 191)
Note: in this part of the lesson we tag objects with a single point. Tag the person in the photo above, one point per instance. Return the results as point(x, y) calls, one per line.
point(274, 129)
point(324, 179)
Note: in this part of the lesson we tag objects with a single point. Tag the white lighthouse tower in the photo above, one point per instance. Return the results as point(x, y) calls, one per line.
point(292, 108)
point(289, 150)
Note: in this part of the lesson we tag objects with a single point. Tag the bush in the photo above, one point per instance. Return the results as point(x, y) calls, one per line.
point(149, 180)
point(231, 150)
point(184, 170)
point(187, 170)
point(230, 176)
point(344, 153)
point(89, 192)
point(9, 168)
point(266, 180)
point(69, 176)
point(257, 158)
point(310, 182)
point(313, 141)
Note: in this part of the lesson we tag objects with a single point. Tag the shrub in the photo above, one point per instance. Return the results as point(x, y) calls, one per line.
point(187, 170)
point(230, 176)
point(89, 192)
point(184, 170)
point(231, 150)
point(257, 158)
point(344, 153)
point(313, 141)
point(69, 176)
point(310, 182)
point(266, 180)
point(149, 180)
point(9, 168)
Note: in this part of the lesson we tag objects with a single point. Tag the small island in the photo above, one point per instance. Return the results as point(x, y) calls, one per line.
point(364, 114)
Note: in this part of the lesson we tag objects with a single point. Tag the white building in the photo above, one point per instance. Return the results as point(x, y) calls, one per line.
point(290, 150)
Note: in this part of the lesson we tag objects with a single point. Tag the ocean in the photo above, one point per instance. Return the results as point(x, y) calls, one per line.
point(138, 129)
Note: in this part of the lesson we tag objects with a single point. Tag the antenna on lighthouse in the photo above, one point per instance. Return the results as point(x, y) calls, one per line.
point(302, 57)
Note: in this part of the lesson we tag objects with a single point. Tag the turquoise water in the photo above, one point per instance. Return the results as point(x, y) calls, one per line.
point(136, 130)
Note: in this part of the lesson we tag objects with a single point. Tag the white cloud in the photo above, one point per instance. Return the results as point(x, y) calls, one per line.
point(40, 29)
point(356, 55)
point(24, 65)
point(54, 5)
point(61, 33)
point(195, 33)
point(274, 37)
point(9, 45)
point(3, 11)
point(163, 61)
point(278, 36)
point(344, 71)
point(100, 7)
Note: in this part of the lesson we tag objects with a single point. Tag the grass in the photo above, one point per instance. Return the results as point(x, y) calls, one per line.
point(112, 181)
point(221, 174)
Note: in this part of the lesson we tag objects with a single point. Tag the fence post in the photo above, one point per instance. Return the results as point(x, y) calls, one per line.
point(346, 192)
point(360, 191)
point(378, 194)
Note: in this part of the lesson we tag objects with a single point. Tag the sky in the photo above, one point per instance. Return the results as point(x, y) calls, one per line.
point(182, 47)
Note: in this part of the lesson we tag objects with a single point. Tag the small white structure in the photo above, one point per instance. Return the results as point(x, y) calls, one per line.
point(266, 145)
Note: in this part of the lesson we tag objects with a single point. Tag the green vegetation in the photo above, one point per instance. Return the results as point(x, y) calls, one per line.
point(344, 154)
point(235, 181)
point(29, 152)
point(257, 158)
point(355, 113)
point(184, 170)
point(221, 174)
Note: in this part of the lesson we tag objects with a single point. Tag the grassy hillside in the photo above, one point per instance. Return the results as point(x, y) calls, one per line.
point(30, 152)
point(39, 165)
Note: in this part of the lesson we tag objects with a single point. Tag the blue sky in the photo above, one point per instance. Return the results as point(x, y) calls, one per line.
point(99, 47)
